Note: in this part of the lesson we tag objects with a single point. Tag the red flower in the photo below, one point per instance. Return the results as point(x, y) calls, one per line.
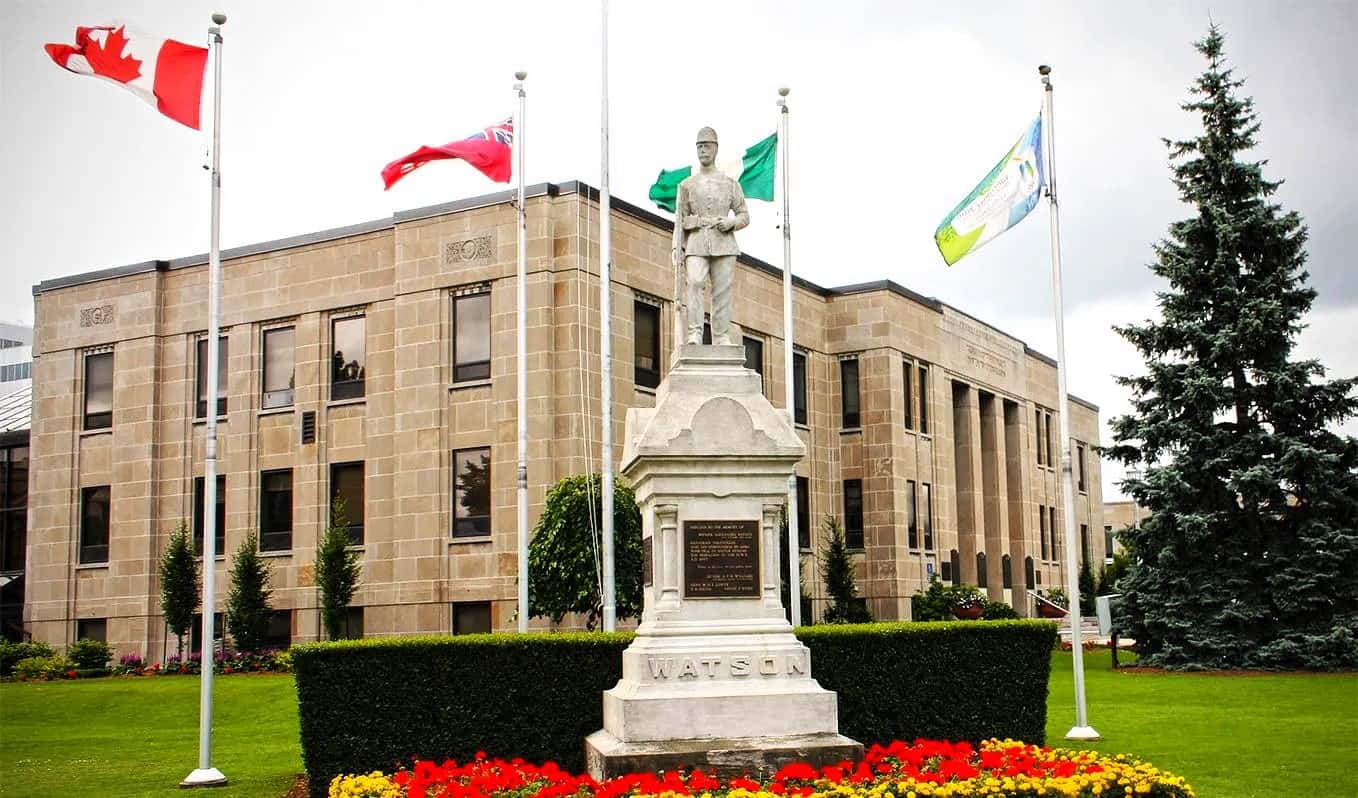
point(745, 784)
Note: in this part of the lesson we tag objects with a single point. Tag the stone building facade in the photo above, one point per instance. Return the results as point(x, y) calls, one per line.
point(376, 362)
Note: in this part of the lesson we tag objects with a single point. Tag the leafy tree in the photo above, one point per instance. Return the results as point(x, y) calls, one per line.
point(247, 603)
point(565, 555)
point(180, 593)
point(1249, 554)
point(836, 571)
point(337, 571)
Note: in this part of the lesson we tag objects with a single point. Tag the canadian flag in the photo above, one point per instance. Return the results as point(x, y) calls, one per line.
point(166, 73)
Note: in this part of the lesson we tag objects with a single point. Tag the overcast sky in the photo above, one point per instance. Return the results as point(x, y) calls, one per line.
point(898, 109)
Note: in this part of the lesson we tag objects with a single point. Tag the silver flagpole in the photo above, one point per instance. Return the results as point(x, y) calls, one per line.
point(794, 548)
point(606, 349)
point(1081, 730)
point(206, 775)
point(522, 361)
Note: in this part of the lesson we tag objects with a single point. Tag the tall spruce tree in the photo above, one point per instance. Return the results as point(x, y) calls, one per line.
point(1249, 557)
point(247, 603)
point(179, 596)
point(836, 571)
point(337, 571)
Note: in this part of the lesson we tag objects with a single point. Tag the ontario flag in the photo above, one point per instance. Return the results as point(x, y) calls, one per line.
point(165, 73)
point(490, 150)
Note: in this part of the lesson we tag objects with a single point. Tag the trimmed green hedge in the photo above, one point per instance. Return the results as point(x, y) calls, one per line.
point(375, 704)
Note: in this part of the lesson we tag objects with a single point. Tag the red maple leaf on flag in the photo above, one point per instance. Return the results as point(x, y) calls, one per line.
point(107, 59)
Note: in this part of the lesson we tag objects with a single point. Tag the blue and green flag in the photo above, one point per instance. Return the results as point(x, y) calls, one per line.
point(999, 202)
point(754, 172)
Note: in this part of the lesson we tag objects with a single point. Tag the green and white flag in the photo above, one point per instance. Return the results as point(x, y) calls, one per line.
point(754, 172)
point(999, 202)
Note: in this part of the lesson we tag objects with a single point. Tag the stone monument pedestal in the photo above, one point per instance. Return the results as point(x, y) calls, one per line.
point(715, 678)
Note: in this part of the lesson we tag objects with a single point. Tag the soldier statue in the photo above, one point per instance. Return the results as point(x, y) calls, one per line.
point(709, 209)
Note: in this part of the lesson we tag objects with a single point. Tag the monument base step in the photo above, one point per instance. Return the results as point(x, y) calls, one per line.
point(755, 757)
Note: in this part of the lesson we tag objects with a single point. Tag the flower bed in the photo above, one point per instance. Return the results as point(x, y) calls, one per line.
point(898, 770)
point(52, 668)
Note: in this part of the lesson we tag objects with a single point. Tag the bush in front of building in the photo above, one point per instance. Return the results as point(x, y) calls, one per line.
point(92, 656)
point(836, 571)
point(247, 603)
point(370, 704)
point(12, 653)
point(44, 668)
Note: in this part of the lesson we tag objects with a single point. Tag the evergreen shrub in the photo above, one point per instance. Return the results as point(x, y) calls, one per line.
point(12, 653)
point(90, 655)
point(376, 704)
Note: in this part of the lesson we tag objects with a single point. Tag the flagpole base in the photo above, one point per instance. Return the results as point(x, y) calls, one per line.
point(204, 777)
point(1084, 733)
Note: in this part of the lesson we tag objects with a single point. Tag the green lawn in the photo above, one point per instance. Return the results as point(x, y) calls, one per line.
point(1230, 736)
point(139, 737)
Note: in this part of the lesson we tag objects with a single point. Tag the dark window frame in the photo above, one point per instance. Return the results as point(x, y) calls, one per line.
point(928, 516)
point(923, 398)
point(1052, 527)
point(472, 526)
point(911, 515)
point(271, 527)
point(1082, 484)
point(272, 635)
point(799, 395)
point(853, 514)
point(1042, 530)
point(645, 376)
point(982, 565)
point(201, 375)
point(353, 387)
point(471, 606)
point(279, 397)
point(356, 528)
point(907, 388)
point(471, 370)
point(199, 497)
point(85, 628)
point(1084, 544)
point(850, 394)
point(14, 508)
point(1108, 543)
point(100, 419)
point(1007, 572)
point(749, 341)
point(803, 513)
point(95, 552)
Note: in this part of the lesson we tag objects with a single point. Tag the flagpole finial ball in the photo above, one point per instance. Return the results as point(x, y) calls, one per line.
point(219, 18)
point(520, 75)
point(1044, 70)
point(783, 91)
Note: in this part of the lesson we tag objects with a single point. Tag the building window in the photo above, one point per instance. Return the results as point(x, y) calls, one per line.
point(196, 631)
point(646, 344)
point(1029, 573)
point(908, 369)
point(348, 357)
point(955, 560)
point(1047, 438)
point(471, 617)
point(924, 399)
point(471, 337)
point(853, 513)
point(1006, 572)
point(219, 536)
point(1037, 435)
point(981, 578)
point(200, 409)
point(911, 516)
point(471, 493)
point(275, 510)
point(99, 391)
point(799, 387)
point(92, 629)
point(754, 358)
point(1084, 544)
point(279, 358)
point(848, 392)
point(94, 523)
point(278, 634)
point(14, 510)
point(928, 516)
point(1042, 530)
point(1080, 467)
point(346, 485)
point(1107, 543)
point(803, 512)
point(1051, 525)
point(352, 627)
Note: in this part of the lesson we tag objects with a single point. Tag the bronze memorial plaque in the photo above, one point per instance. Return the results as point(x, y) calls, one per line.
point(721, 559)
point(647, 576)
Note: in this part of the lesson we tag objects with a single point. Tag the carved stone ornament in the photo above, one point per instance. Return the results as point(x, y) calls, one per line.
point(473, 250)
point(99, 314)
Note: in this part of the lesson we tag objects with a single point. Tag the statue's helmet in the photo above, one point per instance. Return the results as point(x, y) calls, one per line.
point(707, 134)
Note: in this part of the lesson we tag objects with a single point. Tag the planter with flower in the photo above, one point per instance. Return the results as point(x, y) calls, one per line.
point(966, 603)
point(1054, 604)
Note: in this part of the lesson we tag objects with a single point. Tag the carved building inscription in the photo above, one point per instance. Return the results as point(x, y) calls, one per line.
point(469, 251)
point(731, 666)
point(99, 314)
point(721, 559)
point(982, 352)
